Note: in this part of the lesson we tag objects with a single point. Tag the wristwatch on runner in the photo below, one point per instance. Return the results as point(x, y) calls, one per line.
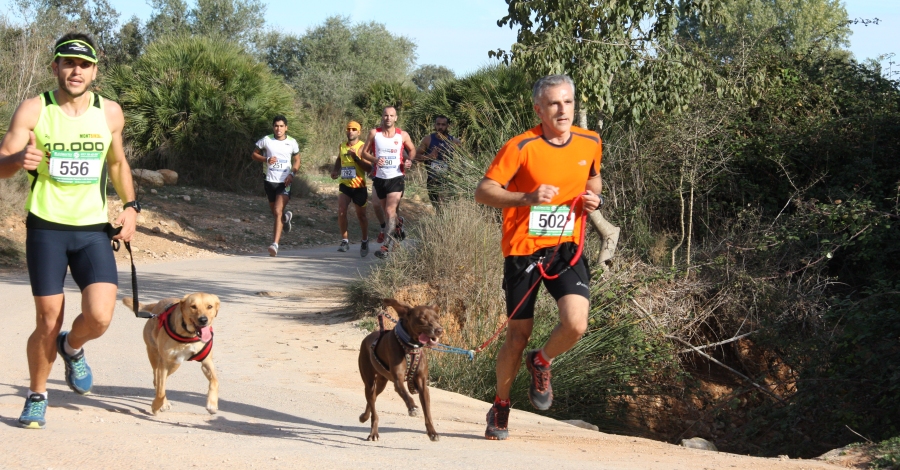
point(133, 204)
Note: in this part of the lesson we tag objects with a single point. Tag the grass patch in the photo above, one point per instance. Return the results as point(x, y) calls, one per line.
point(886, 455)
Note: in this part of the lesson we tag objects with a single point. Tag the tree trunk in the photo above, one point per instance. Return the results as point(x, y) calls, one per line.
point(582, 118)
point(681, 198)
point(690, 229)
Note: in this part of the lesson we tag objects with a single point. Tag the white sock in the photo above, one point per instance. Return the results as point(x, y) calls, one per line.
point(69, 349)
point(345, 240)
point(32, 392)
point(364, 241)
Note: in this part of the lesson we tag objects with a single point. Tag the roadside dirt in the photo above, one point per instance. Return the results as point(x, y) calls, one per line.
point(183, 222)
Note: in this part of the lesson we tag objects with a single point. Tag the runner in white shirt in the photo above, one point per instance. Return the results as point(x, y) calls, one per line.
point(384, 149)
point(281, 157)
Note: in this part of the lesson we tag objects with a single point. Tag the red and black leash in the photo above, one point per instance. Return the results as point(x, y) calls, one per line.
point(543, 270)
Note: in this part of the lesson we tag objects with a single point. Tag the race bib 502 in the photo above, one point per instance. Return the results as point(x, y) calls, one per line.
point(550, 221)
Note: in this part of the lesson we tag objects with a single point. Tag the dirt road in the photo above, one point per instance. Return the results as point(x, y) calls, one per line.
point(290, 393)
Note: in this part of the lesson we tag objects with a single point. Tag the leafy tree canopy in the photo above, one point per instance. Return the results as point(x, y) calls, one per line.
point(796, 24)
point(426, 76)
point(235, 20)
point(335, 61)
point(623, 55)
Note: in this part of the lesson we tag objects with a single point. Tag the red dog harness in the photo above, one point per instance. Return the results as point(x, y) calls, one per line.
point(163, 322)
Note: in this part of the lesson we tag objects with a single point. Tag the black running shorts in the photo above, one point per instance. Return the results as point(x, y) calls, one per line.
point(358, 196)
point(516, 281)
point(384, 187)
point(276, 189)
point(87, 254)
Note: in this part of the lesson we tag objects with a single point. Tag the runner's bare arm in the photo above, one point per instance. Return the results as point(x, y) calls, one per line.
point(259, 157)
point(17, 150)
point(368, 148)
point(411, 148)
point(295, 168)
point(592, 198)
point(336, 168)
point(492, 193)
point(423, 147)
point(359, 160)
point(120, 170)
point(295, 164)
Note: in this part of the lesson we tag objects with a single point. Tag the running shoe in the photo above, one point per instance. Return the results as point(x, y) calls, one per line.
point(382, 253)
point(364, 248)
point(33, 415)
point(497, 423)
point(286, 220)
point(78, 372)
point(345, 246)
point(540, 393)
point(273, 249)
point(380, 238)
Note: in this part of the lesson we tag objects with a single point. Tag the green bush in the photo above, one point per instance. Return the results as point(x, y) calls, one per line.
point(196, 105)
point(485, 108)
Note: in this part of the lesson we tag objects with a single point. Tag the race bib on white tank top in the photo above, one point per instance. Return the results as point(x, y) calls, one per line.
point(282, 150)
point(391, 150)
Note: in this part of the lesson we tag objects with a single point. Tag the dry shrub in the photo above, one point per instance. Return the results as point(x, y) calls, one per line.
point(13, 192)
point(302, 187)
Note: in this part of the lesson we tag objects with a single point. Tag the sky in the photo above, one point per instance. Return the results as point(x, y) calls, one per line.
point(458, 33)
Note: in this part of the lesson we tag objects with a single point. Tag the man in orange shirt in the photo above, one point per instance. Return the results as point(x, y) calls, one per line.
point(535, 178)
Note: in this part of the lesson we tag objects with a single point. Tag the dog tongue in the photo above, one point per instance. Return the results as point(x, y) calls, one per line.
point(205, 334)
point(425, 339)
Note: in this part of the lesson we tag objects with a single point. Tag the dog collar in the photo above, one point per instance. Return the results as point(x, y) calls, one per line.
point(403, 337)
point(163, 322)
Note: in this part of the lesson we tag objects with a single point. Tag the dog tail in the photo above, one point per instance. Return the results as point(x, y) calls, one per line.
point(128, 302)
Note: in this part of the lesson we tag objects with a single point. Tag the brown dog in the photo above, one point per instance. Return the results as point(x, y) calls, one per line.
point(396, 355)
point(181, 330)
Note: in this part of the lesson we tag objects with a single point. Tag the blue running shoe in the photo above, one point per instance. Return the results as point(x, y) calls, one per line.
point(33, 414)
point(78, 372)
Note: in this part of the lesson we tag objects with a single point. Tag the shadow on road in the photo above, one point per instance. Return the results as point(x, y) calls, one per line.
point(135, 402)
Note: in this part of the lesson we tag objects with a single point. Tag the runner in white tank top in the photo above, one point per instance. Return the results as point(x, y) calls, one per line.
point(384, 149)
point(389, 154)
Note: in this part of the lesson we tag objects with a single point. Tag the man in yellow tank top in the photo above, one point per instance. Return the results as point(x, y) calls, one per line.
point(351, 168)
point(69, 141)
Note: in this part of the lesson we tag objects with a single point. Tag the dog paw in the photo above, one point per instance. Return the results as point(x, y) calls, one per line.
point(372, 437)
point(414, 412)
point(160, 405)
point(212, 409)
point(434, 437)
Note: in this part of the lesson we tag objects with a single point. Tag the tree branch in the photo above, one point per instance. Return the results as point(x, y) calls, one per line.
point(715, 361)
point(697, 348)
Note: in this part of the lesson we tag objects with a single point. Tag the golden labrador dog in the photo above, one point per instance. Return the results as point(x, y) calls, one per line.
point(181, 330)
point(397, 356)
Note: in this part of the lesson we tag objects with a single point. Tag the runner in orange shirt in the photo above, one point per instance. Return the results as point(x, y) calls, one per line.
point(535, 178)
